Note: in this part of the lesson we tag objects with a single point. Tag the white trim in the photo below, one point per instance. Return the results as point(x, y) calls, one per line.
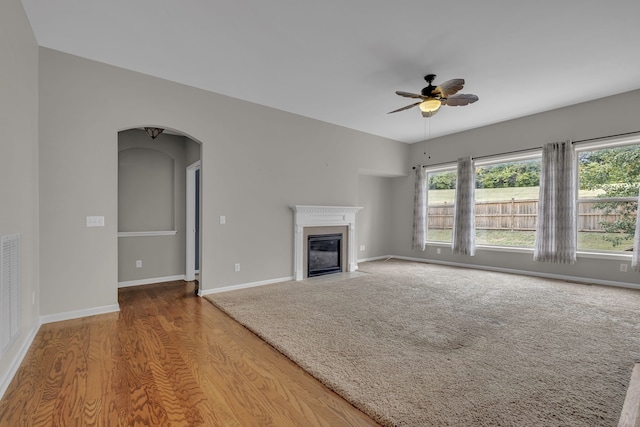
point(323, 216)
point(68, 315)
point(190, 254)
point(534, 153)
point(497, 248)
point(621, 256)
point(17, 360)
point(376, 258)
point(442, 167)
point(203, 292)
point(615, 255)
point(586, 280)
point(615, 141)
point(150, 281)
point(146, 233)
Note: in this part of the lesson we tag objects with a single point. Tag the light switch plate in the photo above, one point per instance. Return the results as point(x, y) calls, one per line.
point(95, 221)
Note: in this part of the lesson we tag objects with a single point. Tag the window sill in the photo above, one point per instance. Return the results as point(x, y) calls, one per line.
point(146, 233)
point(581, 254)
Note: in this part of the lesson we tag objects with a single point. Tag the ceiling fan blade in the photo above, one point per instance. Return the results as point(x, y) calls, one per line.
point(460, 99)
point(405, 108)
point(450, 87)
point(409, 94)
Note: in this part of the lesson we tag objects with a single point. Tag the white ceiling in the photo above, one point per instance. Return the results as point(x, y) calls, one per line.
point(340, 61)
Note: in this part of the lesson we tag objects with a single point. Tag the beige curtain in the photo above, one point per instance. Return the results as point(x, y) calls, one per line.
point(635, 265)
point(464, 218)
point(420, 210)
point(556, 230)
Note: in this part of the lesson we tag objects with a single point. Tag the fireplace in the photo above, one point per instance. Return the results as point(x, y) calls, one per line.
point(323, 221)
point(324, 254)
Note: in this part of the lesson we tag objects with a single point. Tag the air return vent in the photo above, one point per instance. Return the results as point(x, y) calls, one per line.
point(9, 290)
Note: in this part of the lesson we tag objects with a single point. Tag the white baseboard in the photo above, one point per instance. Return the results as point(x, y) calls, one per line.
point(17, 360)
point(67, 315)
point(586, 280)
point(203, 292)
point(151, 281)
point(376, 258)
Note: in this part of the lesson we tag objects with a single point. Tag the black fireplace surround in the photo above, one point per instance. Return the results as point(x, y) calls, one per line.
point(324, 254)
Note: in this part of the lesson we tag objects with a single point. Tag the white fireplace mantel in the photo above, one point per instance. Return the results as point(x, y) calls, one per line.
point(323, 216)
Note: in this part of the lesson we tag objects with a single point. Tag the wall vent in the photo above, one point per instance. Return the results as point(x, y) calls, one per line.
point(9, 290)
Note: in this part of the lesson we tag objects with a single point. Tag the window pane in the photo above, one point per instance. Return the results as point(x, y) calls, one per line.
point(507, 203)
point(607, 226)
point(440, 201)
point(609, 172)
point(611, 176)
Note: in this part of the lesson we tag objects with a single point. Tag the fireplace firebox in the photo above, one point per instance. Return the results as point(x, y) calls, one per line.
point(324, 254)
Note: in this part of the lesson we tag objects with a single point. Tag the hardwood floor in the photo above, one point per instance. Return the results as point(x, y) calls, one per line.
point(168, 358)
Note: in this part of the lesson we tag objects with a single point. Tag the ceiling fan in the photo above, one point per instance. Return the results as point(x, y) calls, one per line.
point(432, 97)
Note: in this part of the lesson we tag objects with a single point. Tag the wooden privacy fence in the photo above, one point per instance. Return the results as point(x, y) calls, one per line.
point(515, 215)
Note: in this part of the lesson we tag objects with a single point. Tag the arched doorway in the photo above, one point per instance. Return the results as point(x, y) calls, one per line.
point(153, 229)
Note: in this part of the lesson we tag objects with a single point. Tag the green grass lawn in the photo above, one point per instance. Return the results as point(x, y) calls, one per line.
point(526, 239)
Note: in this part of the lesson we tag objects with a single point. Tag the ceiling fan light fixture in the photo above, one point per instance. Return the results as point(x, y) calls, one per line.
point(430, 105)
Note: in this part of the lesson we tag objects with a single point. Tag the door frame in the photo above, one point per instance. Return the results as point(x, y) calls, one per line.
point(190, 271)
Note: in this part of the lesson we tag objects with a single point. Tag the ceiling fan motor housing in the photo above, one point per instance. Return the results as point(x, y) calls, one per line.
point(428, 91)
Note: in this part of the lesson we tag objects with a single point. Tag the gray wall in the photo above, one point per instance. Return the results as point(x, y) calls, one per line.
point(256, 162)
point(374, 221)
point(151, 197)
point(193, 151)
point(614, 115)
point(19, 160)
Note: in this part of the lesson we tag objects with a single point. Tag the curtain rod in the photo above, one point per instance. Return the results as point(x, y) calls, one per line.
point(534, 148)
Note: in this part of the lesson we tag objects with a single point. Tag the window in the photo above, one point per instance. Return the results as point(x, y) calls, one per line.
point(607, 197)
point(506, 198)
point(441, 191)
point(507, 191)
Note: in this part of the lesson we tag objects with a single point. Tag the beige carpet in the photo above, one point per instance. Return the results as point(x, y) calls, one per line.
point(416, 344)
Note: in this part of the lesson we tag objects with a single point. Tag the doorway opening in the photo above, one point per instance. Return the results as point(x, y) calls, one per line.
point(193, 221)
point(153, 225)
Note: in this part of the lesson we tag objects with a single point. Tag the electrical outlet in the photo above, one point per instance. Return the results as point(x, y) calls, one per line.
point(623, 267)
point(362, 247)
point(237, 267)
point(223, 219)
point(438, 251)
point(139, 263)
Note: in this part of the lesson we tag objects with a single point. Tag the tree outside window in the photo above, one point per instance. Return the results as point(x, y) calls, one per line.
point(441, 193)
point(608, 197)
